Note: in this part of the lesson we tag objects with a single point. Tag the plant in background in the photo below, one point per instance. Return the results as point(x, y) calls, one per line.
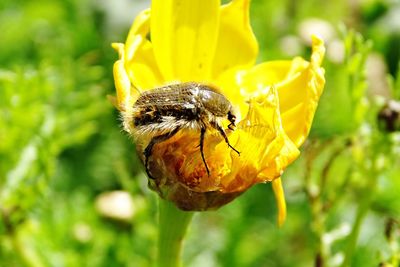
point(176, 42)
point(44, 111)
point(29, 158)
point(355, 151)
point(65, 168)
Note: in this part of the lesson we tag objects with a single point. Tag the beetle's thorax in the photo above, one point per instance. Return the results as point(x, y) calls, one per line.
point(213, 102)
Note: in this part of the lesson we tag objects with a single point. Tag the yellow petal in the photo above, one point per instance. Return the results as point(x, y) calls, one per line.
point(299, 84)
point(121, 80)
point(228, 83)
point(236, 45)
point(282, 152)
point(278, 153)
point(307, 87)
point(238, 86)
point(184, 35)
point(142, 69)
point(293, 89)
point(140, 63)
point(137, 33)
point(262, 142)
point(262, 123)
point(280, 74)
point(291, 78)
point(280, 200)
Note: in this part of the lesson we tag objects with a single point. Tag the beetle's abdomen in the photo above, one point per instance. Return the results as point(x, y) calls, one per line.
point(156, 114)
point(181, 103)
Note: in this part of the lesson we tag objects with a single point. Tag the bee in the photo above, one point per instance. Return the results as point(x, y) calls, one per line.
point(162, 112)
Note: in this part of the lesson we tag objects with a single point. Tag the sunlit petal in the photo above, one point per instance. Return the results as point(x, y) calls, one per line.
point(236, 45)
point(280, 74)
point(228, 83)
point(140, 62)
point(184, 35)
point(265, 149)
point(280, 200)
point(121, 80)
point(297, 115)
point(293, 89)
point(299, 84)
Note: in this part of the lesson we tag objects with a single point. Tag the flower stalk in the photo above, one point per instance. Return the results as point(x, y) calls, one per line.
point(173, 224)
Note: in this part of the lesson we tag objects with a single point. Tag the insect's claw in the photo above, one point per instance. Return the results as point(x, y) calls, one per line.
point(231, 127)
point(234, 149)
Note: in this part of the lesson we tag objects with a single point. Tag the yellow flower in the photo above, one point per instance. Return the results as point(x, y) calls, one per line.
point(201, 41)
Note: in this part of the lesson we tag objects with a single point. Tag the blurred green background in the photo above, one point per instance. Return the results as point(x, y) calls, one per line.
point(72, 191)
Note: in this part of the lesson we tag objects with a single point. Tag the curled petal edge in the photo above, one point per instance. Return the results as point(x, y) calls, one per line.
point(140, 63)
point(298, 118)
point(121, 80)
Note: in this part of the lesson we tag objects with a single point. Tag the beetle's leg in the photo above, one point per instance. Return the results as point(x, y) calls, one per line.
point(232, 119)
point(222, 132)
point(155, 140)
point(202, 133)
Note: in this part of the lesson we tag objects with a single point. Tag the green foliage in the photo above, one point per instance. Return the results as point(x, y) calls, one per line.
point(61, 147)
point(347, 88)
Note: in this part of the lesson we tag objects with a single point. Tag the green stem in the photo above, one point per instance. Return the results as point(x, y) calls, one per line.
point(362, 211)
point(352, 241)
point(27, 254)
point(173, 223)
